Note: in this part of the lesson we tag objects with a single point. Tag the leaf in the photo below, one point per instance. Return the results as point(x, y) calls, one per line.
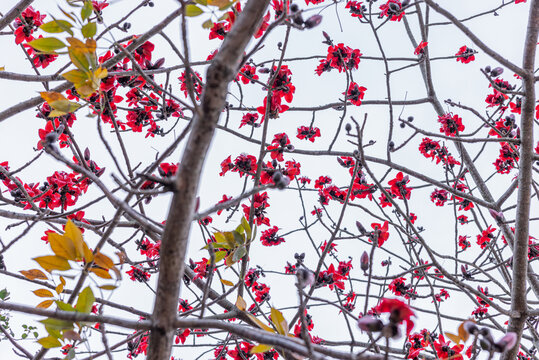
point(49, 342)
point(69, 15)
point(260, 348)
point(463, 334)
point(64, 106)
point(227, 282)
point(259, 323)
point(59, 289)
point(74, 233)
point(89, 30)
point(64, 306)
point(62, 245)
point(279, 321)
point(88, 255)
point(240, 303)
point(192, 10)
point(2, 68)
point(51, 96)
point(202, 2)
point(72, 335)
point(108, 287)
point(247, 228)
point(62, 280)
point(47, 45)
point(45, 304)
point(52, 262)
point(76, 76)
point(86, 10)
point(55, 324)
point(34, 274)
point(103, 261)
point(79, 55)
point(104, 274)
point(219, 255)
point(239, 254)
point(85, 301)
point(43, 293)
point(218, 3)
point(208, 24)
point(56, 26)
point(101, 73)
point(453, 337)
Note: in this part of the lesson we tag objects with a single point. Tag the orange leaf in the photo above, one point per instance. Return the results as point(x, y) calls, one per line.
point(104, 274)
point(227, 283)
point(103, 260)
point(43, 293)
point(240, 303)
point(59, 289)
point(50, 96)
point(455, 338)
point(45, 304)
point(34, 274)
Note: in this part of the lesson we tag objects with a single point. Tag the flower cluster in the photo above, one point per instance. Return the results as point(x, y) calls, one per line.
point(339, 57)
point(260, 203)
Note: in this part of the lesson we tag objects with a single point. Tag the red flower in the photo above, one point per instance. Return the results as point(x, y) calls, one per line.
point(275, 107)
point(486, 236)
point(379, 233)
point(420, 49)
point(398, 311)
point(181, 336)
point(393, 10)
point(445, 351)
point(399, 188)
point(138, 274)
point(355, 93)
point(356, 9)
point(270, 238)
point(465, 55)
point(247, 74)
point(260, 204)
point(308, 133)
point(439, 197)
point(451, 124)
point(463, 242)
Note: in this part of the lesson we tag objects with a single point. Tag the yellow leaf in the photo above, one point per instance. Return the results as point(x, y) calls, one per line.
point(43, 293)
point(45, 304)
point(74, 233)
point(75, 76)
point(88, 255)
point(279, 321)
point(2, 68)
point(59, 289)
point(101, 73)
point(259, 323)
point(103, 261)
point(240, 303)
point(104, 274)
point(34, 274)
point(52, 262)
point(455, 338)
point(260, 348)
point(62, 280)
point(49, 342)
point(62, 246)
point(91, 45)
point(108, 287)
point(227, 283)
point(50, 96)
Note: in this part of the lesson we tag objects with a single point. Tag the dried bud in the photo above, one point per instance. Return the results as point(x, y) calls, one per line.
point(100, 172)
point(361, 229)
point(305, 278)
point(313, 21)
point(264, 70)
point(86, 154)
point(507, 342)
point(326, 36)
point(370, 324)
point(348, 127)
point(405, 3)
point(364, 261)
point(161, 172)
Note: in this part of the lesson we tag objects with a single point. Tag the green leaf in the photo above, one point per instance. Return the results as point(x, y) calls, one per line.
point(64, 306)
point(239, 253)
point(202, 2)
point(65, 106)
point(55, 324)
point(85, 301)
point(220, 255)
point(4, 294)
point(86, 10)
point(192, 10)
point(208, 24)
point(246, 226)
point(56, 26)
point(89, 30)
point(47, 45)
point(49, 342)
point(69, 15)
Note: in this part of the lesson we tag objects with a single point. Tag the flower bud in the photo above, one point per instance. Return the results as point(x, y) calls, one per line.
point(86, 154)
point(361, 229)
point(305, 278)
point(313, 21)
point(498, 216)
point(496, 72)
point(364, 261)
